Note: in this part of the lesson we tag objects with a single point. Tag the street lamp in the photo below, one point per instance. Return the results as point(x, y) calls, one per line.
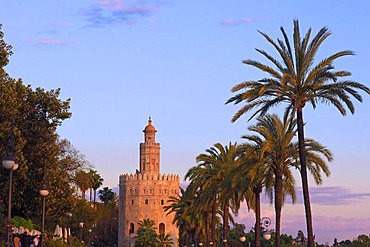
point(90, 230)
point(10, 163)
point(266, 222)
point(44, 192)
point(81, 225)
point(267, 235)
point(69, 214)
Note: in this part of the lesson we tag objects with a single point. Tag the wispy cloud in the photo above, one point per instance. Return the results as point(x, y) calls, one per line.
point(51, 42)
point(326, 227)
point(107, 12)
point(232, 22)
point(327, 195)
point(235, 22)
point(333, 195)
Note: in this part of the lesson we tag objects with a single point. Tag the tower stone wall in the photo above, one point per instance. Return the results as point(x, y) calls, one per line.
point(144, 194)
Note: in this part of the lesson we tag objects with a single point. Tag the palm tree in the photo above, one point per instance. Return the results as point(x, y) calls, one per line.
point(146, 235)
point(220, 161)
point(253, 171)
point(278, 154)
point(82, 180)
point(106, 195)
point(97, 181)
point(201, 177)
point(188, 215)
point(298, 81)
point(165, 240)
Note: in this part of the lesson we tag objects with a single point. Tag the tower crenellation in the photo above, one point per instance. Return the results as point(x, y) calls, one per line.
point(136, 176)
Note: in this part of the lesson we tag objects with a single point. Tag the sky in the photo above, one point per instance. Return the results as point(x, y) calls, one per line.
point(176, 61)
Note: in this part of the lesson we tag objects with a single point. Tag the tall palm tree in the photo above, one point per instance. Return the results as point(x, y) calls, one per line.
point(188, 215)
point(253, 170)
point(97, 181)
point(278, 154)
point(201, 177)
point(82, 180)
point(298, 81)
point(221, 161)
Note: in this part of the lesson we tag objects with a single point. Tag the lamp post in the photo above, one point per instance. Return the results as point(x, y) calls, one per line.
point(44, 191)
point(69, 214)
point(266, 222)
point(90, 230)
point(10, 163)
point(81, 225)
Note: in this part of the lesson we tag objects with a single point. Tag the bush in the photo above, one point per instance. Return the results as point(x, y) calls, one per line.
point(19, 221)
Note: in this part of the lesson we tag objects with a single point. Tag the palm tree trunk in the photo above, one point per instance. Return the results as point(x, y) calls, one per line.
point(94, 198)
point(226, 223)
point(257, 228)
point(214, 208)
point(306, 193)
point(90, 196)
point(278, 206)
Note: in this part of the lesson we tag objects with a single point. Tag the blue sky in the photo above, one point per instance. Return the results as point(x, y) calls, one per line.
point(121, 61)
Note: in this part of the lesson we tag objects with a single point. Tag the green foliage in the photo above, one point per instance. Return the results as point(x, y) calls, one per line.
point(146, 235)
point(106, 231)
point(62, 243)
point(2, 216)
point(19, 221)
point(165, 240)
point(106, 195)
point(35, 114)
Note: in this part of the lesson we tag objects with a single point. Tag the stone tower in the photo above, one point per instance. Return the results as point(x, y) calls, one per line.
point(144, 194)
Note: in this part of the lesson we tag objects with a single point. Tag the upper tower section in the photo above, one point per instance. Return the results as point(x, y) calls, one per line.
point(149, 151)
point(149, 132)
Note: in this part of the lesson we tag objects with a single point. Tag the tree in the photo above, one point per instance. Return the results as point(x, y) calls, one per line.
point(165, 240)
point(205, 195)
point(70, 159)
point(278, 155)
point(298, 81)
point(34, 114)
point(184, 207)
point(107, 222)
point(97, 181)
point(146, 235)
point(106, 195)
point(220, 161)
point(83, 181)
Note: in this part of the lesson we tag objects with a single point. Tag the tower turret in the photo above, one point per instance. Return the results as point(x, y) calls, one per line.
point(149, 151)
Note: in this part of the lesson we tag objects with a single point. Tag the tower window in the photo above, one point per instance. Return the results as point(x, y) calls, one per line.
point(132, 228)
point(162, 202)
point(162, 228)
point(146, 202)
point(132, 202)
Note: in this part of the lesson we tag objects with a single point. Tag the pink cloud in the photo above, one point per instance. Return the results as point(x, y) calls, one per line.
point(326, 227)
point(51, 42)
point(108, 12)
point(237, 22)
point(230, 22)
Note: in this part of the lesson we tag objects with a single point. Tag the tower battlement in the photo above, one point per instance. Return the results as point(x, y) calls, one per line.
point(139, 176)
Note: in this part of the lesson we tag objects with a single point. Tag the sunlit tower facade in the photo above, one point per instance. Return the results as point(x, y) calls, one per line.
point(144, 194)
